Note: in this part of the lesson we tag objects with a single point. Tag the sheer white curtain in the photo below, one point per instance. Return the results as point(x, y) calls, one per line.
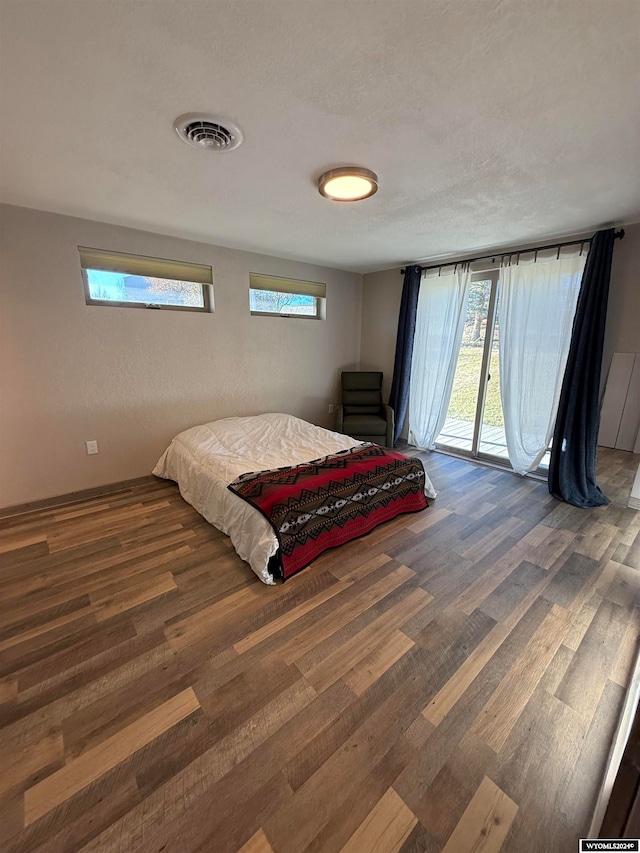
point(535, 312)
point(442, 309)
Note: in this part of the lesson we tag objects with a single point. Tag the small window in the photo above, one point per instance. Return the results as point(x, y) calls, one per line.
point(285, 297)
point(277, 302)
point(135, 281)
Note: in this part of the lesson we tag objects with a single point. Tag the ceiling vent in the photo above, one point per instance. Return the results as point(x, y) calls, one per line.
point(207, 131)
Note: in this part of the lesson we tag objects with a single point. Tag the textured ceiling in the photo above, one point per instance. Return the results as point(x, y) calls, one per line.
point(489, 122)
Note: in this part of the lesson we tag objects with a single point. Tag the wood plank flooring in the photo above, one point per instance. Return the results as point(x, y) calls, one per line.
point(451, 682)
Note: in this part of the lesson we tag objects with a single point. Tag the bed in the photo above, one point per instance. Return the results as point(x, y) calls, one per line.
point(206, 460)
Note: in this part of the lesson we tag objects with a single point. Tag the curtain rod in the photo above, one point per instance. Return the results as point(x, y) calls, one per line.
point(618, 235)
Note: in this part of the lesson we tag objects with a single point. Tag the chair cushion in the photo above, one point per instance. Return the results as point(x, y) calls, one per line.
point(362, 380)
point(364, 425)
point(358, 409)
point(361, 392)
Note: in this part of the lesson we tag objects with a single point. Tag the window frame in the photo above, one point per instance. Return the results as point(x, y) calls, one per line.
point(206, 308)
point(314, 289)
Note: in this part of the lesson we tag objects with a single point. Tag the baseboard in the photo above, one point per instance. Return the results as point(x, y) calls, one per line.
point(74, 497)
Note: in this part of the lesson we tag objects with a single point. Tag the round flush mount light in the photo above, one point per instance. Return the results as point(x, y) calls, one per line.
point(348, 183)
point(207, 131)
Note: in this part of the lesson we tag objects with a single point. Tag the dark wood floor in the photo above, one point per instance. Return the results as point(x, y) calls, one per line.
point(451, 682)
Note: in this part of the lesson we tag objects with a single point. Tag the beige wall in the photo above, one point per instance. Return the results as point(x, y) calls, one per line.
point(622, 333)
point(381, 303)
point(381, 296)
point(132, 379)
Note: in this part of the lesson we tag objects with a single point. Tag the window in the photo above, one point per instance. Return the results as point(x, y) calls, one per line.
point(285, 297)
point(135, 281)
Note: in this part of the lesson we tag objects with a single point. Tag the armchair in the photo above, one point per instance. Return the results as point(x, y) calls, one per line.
point(362, 414)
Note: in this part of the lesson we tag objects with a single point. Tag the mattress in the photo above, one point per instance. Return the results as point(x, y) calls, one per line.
point(205, 459)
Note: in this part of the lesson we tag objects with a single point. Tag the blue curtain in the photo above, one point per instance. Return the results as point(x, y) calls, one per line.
point(572, 469)
point(399, 397)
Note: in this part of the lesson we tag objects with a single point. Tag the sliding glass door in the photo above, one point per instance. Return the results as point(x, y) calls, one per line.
point(474, 424)
point(478, 338)
point(492, 442)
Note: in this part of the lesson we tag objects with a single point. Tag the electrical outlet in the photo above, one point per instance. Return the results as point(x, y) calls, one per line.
point(330, 408)
point(92, 447)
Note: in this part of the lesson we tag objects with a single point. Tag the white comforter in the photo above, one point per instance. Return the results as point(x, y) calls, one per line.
point(203, 461)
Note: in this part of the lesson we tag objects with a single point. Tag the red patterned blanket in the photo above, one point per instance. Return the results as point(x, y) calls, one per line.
point(329, 501)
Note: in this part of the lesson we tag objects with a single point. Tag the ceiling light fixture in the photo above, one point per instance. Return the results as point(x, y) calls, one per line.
point(348, 183)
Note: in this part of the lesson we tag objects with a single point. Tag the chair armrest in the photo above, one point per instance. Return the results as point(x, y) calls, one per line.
point(339, 417)
point(391, 424)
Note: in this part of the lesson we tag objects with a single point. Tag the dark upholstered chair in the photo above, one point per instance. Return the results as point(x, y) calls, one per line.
point(362, 413)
